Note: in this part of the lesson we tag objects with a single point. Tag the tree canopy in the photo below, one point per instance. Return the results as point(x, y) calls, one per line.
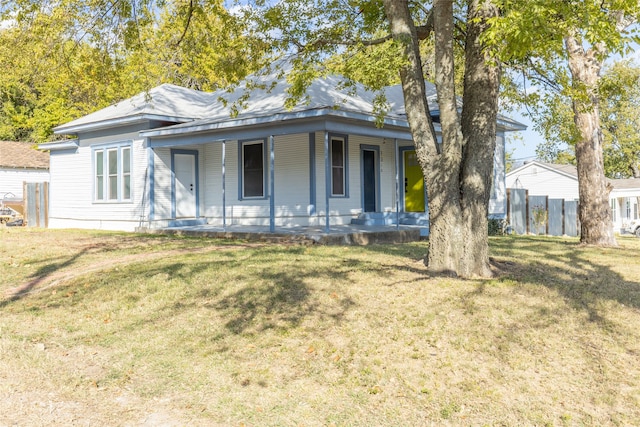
point(619, 91)
point(561, 47)
point(77, 56)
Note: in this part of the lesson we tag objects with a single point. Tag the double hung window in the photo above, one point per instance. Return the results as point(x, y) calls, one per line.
point(112, 173)
point(253, 169)
point(338, 149)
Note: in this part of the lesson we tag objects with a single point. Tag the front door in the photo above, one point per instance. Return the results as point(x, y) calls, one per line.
point(413, 183)
point(185, 189)
point(369, 180)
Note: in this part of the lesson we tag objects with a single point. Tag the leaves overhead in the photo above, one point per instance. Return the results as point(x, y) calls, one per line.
point(78, 56)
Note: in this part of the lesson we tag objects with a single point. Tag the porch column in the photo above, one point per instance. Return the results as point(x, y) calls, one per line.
point(327, 181)
point(151, 182)
point(395, 155)
point(272, 185)
point(224, 195)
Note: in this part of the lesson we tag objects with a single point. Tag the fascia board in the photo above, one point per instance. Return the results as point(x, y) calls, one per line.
point(60, 145)
point(205, 126)
point(117, 122)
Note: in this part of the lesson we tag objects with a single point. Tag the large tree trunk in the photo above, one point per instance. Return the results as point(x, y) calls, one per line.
point(596, 226)
point(458, 243)
point(479, 122)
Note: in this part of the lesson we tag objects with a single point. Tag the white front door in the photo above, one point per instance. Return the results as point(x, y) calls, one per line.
point(185, 185)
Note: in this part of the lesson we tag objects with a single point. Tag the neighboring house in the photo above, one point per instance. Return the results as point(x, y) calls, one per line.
point(561, 182)
point(20, 162)
point(625, 201)
point(175, 156)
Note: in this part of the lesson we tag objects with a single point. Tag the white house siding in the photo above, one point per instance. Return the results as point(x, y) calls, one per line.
point(498, 201)
point(12, 179)
point(211, 195)
point(71, 202)
point(541, 181)
point(292, 179)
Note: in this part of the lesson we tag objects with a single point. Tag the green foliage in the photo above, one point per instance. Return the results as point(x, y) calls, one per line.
point(497, 227)
point(77, 57)
point(534, 39)
point(619, 93)
point(620, 116)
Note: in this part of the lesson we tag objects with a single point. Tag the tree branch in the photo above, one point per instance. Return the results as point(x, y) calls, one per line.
point(186, 25)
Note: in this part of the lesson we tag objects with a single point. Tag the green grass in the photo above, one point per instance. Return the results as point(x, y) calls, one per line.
point(123, 329)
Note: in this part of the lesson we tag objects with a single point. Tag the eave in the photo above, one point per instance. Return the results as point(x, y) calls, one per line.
point(71, 129)
point(71, 144)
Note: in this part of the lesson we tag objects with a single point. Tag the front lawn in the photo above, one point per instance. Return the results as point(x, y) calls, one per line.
point(123, 329)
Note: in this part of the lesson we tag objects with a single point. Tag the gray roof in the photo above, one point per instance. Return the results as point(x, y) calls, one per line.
point(568, 170)
point(626, 183)
point(572, 171)
point(258, 100)
point(166, 102)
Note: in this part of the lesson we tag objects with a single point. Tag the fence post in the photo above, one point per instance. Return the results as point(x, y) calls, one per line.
point(25, 204)
point(37, 189)
point(546, 209)
point(526, 209)
point(564, 231)
point(508, 207)
point(46, 204)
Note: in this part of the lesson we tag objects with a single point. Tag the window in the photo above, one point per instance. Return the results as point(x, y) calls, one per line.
point(338, 167)
point(112, 168)
point(628, 208)
point(253, 170)
point(614, 213)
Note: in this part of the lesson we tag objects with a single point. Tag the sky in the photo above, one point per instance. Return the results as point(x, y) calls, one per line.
point(524, 146)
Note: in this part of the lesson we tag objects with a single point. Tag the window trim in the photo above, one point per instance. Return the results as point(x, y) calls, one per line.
point(265, 168)
point(104, 149)
point(345, 176)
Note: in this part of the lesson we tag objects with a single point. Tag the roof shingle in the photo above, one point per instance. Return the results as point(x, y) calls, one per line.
point(22, 155)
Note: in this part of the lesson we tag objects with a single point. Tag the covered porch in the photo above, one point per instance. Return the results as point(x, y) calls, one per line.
point(296, 192)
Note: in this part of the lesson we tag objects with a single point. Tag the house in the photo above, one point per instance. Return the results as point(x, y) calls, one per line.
point(174, 157)
point(20, 162)
point(561, 182)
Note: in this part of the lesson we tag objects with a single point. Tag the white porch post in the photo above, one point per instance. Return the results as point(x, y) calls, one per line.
point(224, 196)
point(395, 155)
point(272, 185)
point(327, 181)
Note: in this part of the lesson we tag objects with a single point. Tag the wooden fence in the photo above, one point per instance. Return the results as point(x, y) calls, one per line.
point(541, 215)
point(36, 204)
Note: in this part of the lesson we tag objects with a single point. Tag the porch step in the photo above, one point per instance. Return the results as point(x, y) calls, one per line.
point(418, 219)
point(414, 218)
point(187, 222)
point(375, 218)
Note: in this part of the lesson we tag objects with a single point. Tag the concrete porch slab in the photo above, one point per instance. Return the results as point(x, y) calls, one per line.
point(337, 235)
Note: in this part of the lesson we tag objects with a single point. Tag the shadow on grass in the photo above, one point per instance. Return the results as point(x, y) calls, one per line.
point(40, 276)
point(248, 290)
point(583, 276)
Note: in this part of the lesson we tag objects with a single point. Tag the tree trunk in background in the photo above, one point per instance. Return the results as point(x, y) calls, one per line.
point(596, 226)
point(458, 179)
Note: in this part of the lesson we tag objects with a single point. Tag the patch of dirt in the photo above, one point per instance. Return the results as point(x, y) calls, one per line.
point(71, 272)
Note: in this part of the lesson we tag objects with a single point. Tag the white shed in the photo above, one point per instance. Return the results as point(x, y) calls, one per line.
point(21, 162)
